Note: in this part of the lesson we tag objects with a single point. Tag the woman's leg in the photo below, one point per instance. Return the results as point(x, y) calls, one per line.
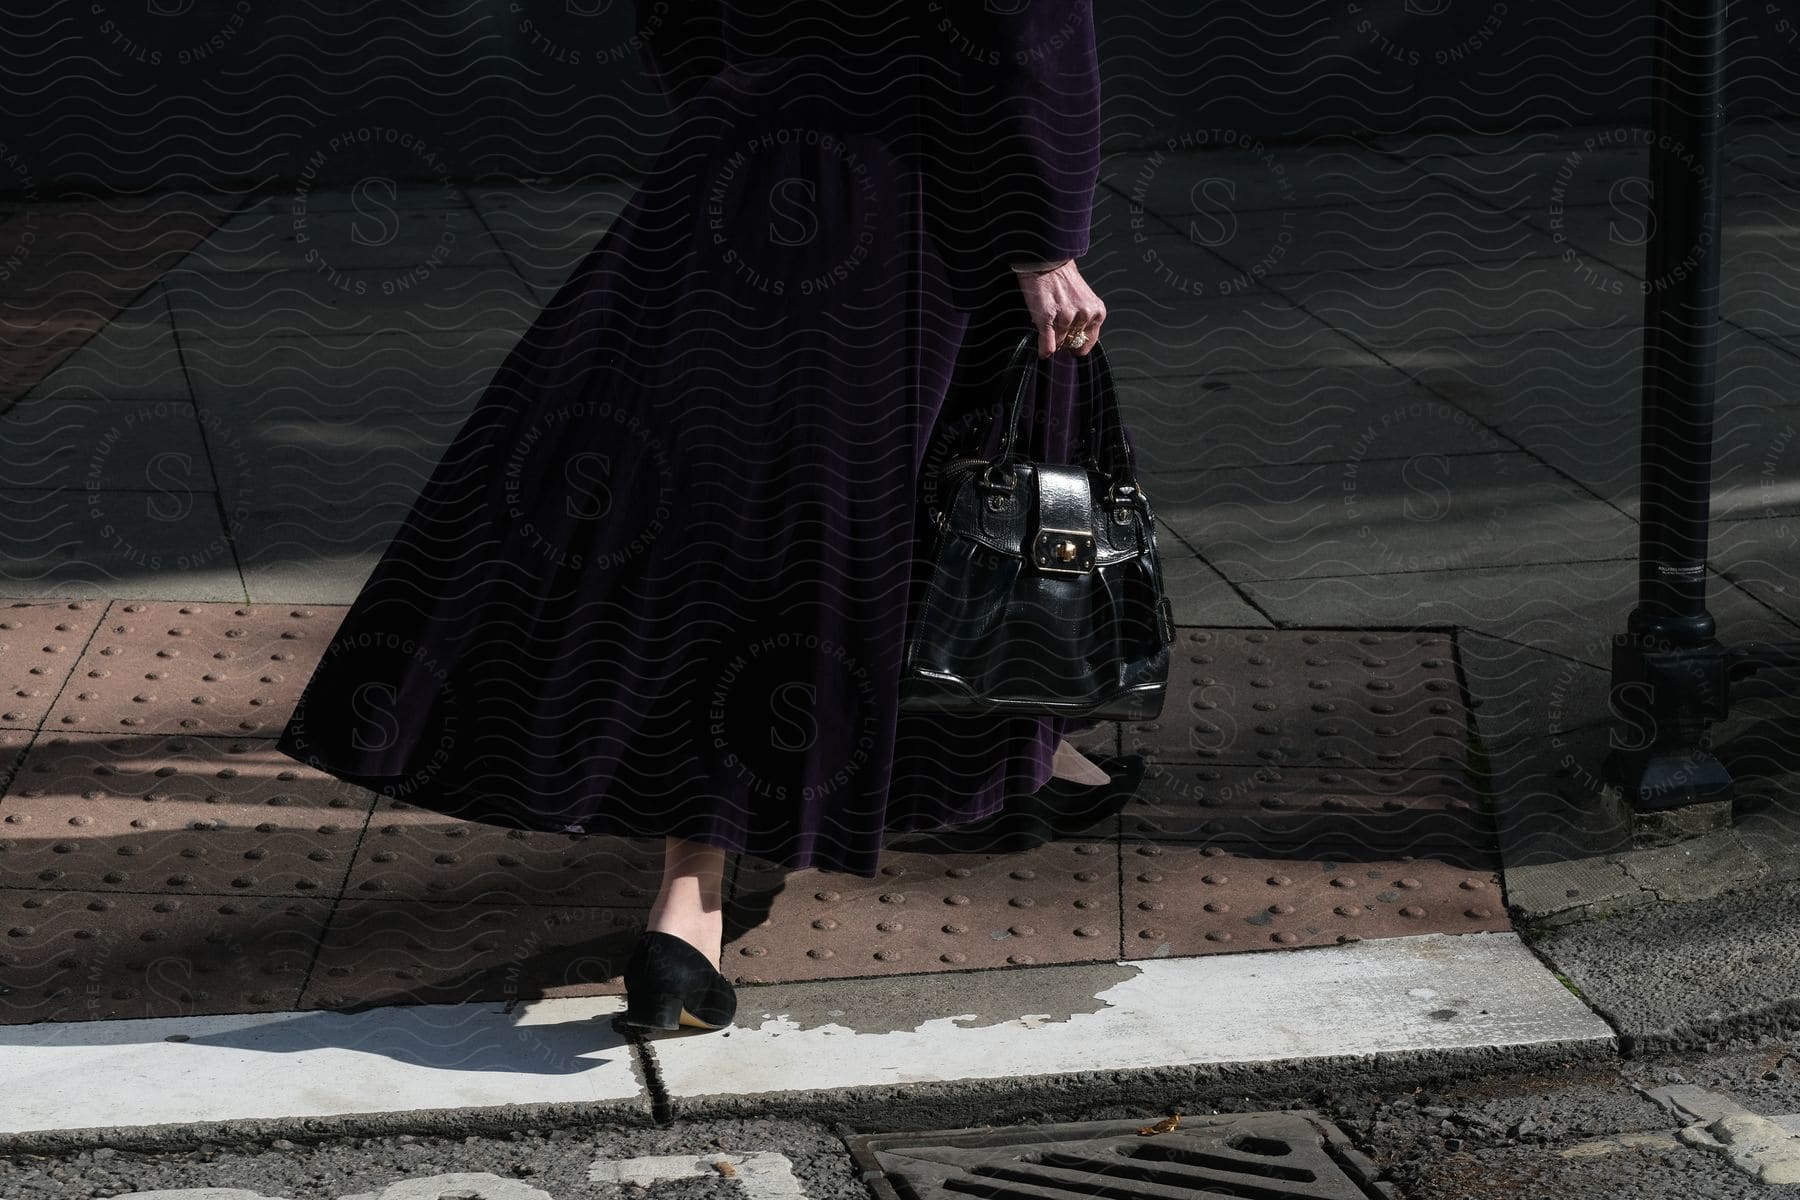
point(690, 904)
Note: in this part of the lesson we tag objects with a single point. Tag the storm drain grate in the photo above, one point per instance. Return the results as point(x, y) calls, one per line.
point(1290, 1155)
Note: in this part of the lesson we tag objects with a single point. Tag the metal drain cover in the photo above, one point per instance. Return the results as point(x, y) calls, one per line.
point(1289, 1155)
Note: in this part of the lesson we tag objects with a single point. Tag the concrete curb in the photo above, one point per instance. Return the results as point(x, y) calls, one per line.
point(1048, 1040)
point(899, 1108)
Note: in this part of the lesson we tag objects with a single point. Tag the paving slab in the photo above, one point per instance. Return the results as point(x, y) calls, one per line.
point(1434, 227)
point(301, 1066)
point(1376, 516)
point(1571, 608)
point(1337, 698)
point(1765, 147)
point(76, 957)
point(1183, 899)
point(320, 554)
point(324, 444)
point(1533, 377)
point(248, 307)
point(1199, 594)
point(1681, 975)
point(178, 815)
point(13, 744)
point(1595, 441)
point(408, 243)
point(323, 416)
point(88, 260)
point(1175, 309)
point(1434, 992)
point(1569, 856)
point(1056, 903)
point(1535, 171)
point(408, 851)
point(1520, 692)
point(100, 544)
point(331, 379)
point(196, 668)
point(1283, 418)
point(28, 353)
point(1390, 308)
point(40, 643)
point(1568, 890)
point(92, 256)
point(1760, 555)
point(1757, 291)
point(409, 951)
point(133, 355)
point(1223, 168)
point(1295, 209)
point(1311, 812)
point(1618, 231)
point(61, 442)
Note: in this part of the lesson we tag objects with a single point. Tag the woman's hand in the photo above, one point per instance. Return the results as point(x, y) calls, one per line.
point(1060, 301)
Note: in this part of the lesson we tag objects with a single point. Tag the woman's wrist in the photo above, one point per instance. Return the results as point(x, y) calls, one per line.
point(1040, 268)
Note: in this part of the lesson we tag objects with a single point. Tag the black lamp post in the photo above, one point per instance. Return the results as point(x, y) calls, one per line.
point(1670, 675)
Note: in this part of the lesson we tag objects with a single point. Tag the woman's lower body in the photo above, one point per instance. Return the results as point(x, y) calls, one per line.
point(658, 583)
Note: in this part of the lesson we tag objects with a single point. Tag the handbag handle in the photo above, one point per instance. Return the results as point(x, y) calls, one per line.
point(1106, 429)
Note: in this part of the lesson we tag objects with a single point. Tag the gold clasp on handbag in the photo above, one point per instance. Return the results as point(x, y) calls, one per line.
point(1063, 551)
point(1124, 498)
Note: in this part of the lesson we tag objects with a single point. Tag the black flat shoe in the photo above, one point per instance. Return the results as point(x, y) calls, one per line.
point(669, 984)
point(1061, 808)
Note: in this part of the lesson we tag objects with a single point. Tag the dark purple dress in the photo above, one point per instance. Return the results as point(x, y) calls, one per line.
point(659, 582)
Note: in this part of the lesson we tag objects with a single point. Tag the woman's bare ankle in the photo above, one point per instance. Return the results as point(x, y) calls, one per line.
point(702, 931)
point(689, 904)
point(1071, 764)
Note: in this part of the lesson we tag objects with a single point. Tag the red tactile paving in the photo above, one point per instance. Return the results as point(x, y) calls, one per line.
point(12, 752)
point(73, 264)
point(1309, 698)
point(176, 814)
point(1304, 788)
point(66, 956)
point(1185, 899)
point(39, 643)
point(411, 851)
point(170, 667)
point(417, 952)
point(1057, 903)
point(1308, 808)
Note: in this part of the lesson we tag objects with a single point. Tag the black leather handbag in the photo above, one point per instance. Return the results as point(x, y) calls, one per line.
point(1045, 593)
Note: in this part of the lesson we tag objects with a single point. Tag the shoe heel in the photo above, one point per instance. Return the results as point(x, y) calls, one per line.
point(664, 1012)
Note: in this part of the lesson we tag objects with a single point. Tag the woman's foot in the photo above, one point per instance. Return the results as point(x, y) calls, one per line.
point(1071, 764)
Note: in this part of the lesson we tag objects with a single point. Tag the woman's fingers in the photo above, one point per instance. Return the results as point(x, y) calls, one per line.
point(1059, 302)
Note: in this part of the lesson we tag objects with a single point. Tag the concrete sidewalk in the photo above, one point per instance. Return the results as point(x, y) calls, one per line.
point(1386, 397)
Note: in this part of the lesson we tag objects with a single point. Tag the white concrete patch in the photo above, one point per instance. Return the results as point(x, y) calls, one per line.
point(310, 1064)
point(1613, 1145)
point(1384, 995)
point(1754, 1144)
point(481, 1185)
point(764, 1174)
